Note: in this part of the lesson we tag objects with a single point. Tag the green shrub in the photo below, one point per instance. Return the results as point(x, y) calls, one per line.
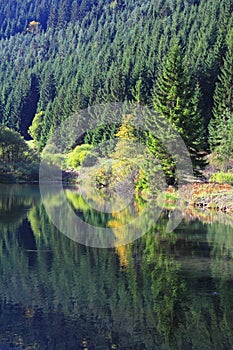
point(77, 156)
point(55, 159)
point(89, 160)
point(27, 171)
point(13, 147)
point(222, 178)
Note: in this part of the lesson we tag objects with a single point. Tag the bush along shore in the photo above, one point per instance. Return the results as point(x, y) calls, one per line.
point(20, 161)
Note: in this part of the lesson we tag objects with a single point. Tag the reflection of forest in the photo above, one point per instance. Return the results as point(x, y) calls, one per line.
point(14, 202)
point(156, 293)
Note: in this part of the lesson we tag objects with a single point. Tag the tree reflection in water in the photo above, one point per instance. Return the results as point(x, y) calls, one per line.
point(163, 291)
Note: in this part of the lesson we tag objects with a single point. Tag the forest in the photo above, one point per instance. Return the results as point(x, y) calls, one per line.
point(59, 57)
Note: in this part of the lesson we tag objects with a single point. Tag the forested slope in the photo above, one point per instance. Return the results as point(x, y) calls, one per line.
point(59, 56)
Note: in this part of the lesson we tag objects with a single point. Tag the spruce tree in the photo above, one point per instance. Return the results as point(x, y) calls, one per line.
point(176, 100)
point(223, 102)
point(47, 90)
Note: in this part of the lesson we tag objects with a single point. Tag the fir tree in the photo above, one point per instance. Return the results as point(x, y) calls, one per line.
point(176, 100)
point(47, 90)
point(223, 101)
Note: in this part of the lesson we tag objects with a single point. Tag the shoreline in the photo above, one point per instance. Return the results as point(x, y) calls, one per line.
point(209, 195)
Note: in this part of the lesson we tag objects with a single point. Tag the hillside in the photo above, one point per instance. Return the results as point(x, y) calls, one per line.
point(57, 57)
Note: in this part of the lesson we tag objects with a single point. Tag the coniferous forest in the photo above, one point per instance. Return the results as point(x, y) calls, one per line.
point(176, 56)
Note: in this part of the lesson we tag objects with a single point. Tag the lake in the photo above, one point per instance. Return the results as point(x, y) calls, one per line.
point(162, 291)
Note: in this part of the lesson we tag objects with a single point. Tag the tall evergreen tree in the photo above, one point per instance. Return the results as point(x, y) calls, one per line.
point(47, 90)
point(176, 100)
point(74, 11)
point(223, 99)
point(221, 125)
point(63, 13)
point(29, 105)
point(110, 51)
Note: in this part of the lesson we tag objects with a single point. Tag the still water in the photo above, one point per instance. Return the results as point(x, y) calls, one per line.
point(163, 291)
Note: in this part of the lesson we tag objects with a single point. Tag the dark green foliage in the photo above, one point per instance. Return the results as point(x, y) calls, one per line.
point(13, 148)
point(29, 105)
point(17, 161)
point(87, 52)
point(89, 160)
point(176, 100)
point(221, 125)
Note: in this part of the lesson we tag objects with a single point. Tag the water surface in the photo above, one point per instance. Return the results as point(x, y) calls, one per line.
point(163, 291)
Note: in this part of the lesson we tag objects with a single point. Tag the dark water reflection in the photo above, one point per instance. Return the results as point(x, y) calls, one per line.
point(164, 291)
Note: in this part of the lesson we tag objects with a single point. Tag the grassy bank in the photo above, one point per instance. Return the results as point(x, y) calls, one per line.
point(201, 195)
